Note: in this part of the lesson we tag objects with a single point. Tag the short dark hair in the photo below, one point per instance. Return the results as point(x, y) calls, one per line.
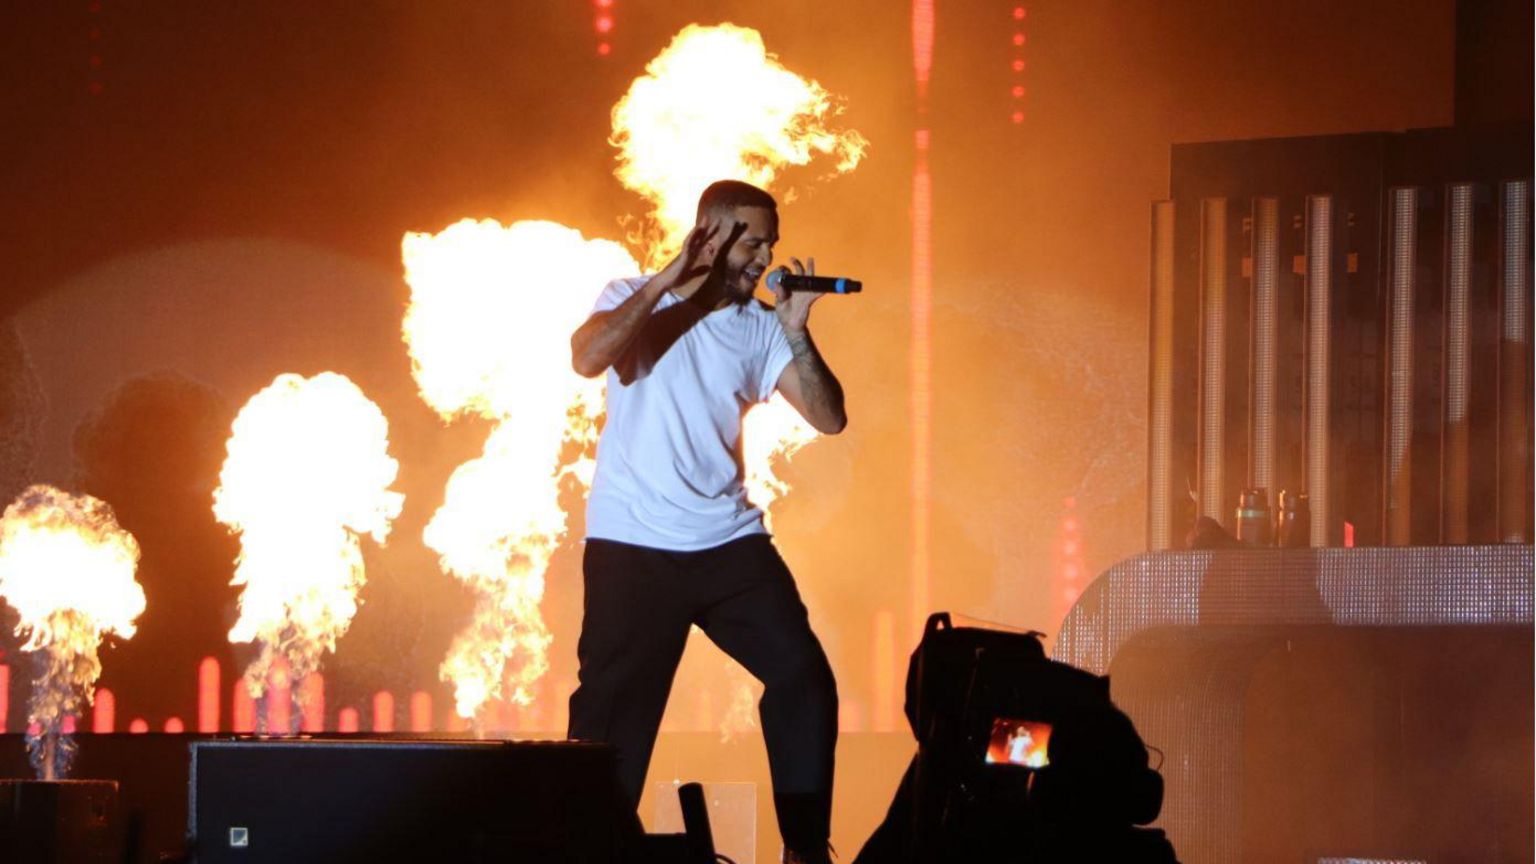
point(730, 194)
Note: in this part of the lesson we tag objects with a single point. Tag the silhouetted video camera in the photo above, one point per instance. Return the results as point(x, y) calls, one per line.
point(1020, 759)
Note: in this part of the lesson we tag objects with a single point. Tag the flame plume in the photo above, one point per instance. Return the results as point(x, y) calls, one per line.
point(491, 314)
point(307, 474)
point(67, 569)
point(715, 105)
point(770, 431)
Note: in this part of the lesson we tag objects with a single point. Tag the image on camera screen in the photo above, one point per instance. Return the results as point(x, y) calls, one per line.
point(1018, 742)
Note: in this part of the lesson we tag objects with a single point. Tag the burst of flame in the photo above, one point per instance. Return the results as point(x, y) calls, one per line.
point(716, 105)
point(770, 431)
point(491, 314)
point(67, 569)
point(307, 474)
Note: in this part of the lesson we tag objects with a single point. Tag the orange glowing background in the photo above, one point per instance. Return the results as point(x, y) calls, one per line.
point(222, 197)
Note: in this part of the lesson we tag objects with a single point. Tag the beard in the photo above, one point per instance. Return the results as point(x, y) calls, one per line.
point(740, 286)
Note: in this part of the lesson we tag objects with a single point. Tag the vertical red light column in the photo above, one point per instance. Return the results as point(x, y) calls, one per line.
point(602, 24)
point(208, 696)
point(421, 711)
point(383, 711)
point(5, 696)
point(103, 712)
point(242, 708)
point(1070, 577)
point(921, 371)
point(279, 699)
point(312, 702)
point(1019, 39)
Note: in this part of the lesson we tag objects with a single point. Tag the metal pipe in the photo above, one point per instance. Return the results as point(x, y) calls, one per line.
point(1160, 431)
point(1213, 355)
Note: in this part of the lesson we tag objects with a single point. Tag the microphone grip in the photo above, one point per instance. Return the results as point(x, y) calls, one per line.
point(815, 284)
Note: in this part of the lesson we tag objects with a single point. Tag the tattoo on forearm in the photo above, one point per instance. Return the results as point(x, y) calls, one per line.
point(818, 386)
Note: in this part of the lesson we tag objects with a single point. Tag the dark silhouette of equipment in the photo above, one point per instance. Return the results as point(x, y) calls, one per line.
point(701, 840)
point(957, 803)
point(59, 822)
point(332, 801)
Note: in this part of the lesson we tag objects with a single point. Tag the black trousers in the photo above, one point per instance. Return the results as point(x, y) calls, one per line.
point(639, 605)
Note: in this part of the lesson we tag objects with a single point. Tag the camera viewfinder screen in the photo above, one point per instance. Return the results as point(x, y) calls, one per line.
point(1018, 742)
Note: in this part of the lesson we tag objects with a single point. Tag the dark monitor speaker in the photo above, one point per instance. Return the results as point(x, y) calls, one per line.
point(296, 801)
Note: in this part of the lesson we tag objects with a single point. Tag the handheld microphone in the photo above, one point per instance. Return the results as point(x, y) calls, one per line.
point(814, 284)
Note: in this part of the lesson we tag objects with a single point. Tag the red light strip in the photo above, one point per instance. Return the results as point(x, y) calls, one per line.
point(383, 711)
point(1069, 560)
point(602, 25)
point(279, 699)
point(922, 49)
point(208, 695)
point(103, 711)
point(312, 702)
point(421, 711)
point(1017, 64)
point(921, 361)
point(242, 708)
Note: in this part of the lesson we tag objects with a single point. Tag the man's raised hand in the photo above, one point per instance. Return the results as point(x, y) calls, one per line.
point(688, 264)
point(793, 308)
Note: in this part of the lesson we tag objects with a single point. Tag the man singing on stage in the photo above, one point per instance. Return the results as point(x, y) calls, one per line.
point(672, 540)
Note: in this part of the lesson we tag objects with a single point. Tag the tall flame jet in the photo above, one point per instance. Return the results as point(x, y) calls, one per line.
point(491, 313)
point(492, 309)
point(306, 476)
point(716, 105)
point(67, 569)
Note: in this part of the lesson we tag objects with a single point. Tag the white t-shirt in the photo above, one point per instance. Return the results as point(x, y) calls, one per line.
point(669, 472)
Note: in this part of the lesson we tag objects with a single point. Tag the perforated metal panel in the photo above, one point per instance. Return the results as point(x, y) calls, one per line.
point(1456, 457)
point(1212, 595)
point(1517, 261)
point(1402, 259)
point(1515, 361)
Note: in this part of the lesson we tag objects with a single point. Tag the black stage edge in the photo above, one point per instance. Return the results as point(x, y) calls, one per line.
point(336, 798)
